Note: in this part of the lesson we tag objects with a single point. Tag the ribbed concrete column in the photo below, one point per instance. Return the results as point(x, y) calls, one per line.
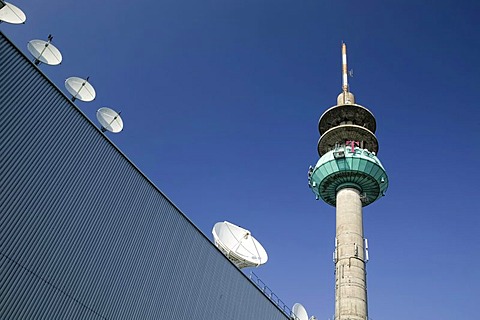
point(350, 282)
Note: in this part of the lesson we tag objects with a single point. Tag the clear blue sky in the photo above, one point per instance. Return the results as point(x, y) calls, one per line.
point(221, 101)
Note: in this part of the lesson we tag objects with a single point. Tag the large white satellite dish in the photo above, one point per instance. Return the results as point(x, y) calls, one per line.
point(238, 245)
point(80, 89)
point(299, 312)
point(110, 120)
point(11, 14)
point(45, 52)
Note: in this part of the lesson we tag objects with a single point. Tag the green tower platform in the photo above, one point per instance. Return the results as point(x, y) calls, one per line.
point(342, 168)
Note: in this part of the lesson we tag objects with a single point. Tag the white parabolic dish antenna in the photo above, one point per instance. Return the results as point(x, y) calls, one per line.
point(45, 52)
point(12, 14)
point(238, 245)
point(299, 312)
point(80, 89)
point(109, 120)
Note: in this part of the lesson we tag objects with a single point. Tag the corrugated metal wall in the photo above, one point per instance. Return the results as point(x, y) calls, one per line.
point(84, 235)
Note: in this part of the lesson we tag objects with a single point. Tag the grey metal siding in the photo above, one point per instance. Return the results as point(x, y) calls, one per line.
point(84, 234)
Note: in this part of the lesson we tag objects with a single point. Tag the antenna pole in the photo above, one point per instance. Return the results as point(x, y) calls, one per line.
point(50, 38)
point(344, 69)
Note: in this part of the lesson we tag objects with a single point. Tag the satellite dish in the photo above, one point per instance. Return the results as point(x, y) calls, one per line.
point(299, 312)
point(11, 14)
point(80, 89)
point(45, 52)
point(110, 120)
point(238, 245)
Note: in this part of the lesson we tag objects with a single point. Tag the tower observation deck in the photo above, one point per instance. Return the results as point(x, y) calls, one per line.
point(349, 176)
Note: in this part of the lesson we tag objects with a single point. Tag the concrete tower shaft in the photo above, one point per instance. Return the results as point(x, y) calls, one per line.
point(349, 258)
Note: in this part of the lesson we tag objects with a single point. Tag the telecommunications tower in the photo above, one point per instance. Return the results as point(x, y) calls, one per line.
point(349, 176)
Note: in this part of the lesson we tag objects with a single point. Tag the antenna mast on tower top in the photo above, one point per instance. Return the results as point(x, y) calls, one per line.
point(344, 68)
point(345, 97)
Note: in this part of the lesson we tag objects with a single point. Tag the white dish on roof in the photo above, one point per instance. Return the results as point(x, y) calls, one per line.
point(238, 245)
